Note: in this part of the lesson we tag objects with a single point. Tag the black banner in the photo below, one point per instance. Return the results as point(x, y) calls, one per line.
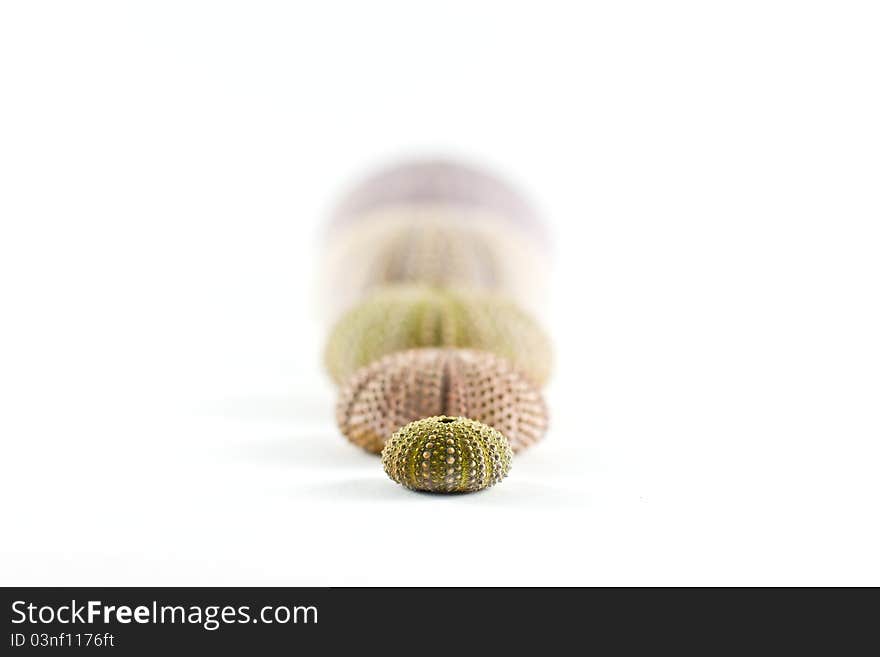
point(148, 620)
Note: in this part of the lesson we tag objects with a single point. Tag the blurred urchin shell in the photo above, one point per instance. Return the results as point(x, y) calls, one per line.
point(407, 317)
point(433, 245)
point(447, 455)
point(409, 385)
point(439, 182)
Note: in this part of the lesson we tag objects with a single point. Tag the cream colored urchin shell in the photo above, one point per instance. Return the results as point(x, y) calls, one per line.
point(432, 244)
point(407, 317)
point(447, 455)
point(409, 385)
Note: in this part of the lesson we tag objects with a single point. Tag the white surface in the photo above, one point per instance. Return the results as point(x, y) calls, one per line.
point(711, 174)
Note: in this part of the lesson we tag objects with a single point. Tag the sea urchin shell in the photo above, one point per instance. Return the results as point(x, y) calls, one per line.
point(453, 184)
point(380, 398)
point(410, 316)
point(432, 245)
point(447, 455)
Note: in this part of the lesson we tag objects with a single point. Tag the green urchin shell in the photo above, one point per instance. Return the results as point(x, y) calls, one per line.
point(403, 317)
point(445, 454)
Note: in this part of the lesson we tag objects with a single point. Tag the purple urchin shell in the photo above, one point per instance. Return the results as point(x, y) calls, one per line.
point(439, 182)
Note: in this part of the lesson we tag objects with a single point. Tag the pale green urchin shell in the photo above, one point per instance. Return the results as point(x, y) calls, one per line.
point(407, 317)
point(444, 454)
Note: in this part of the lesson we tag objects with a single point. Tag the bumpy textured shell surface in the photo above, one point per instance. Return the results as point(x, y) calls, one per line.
point(447, 455)
point(443, 182)
point(433, 245)
point(405, 386)
point(407, 317)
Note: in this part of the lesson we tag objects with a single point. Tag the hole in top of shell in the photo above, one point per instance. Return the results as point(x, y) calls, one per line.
point(447, 420)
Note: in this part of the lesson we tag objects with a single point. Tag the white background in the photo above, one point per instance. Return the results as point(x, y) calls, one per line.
point(710, 173)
